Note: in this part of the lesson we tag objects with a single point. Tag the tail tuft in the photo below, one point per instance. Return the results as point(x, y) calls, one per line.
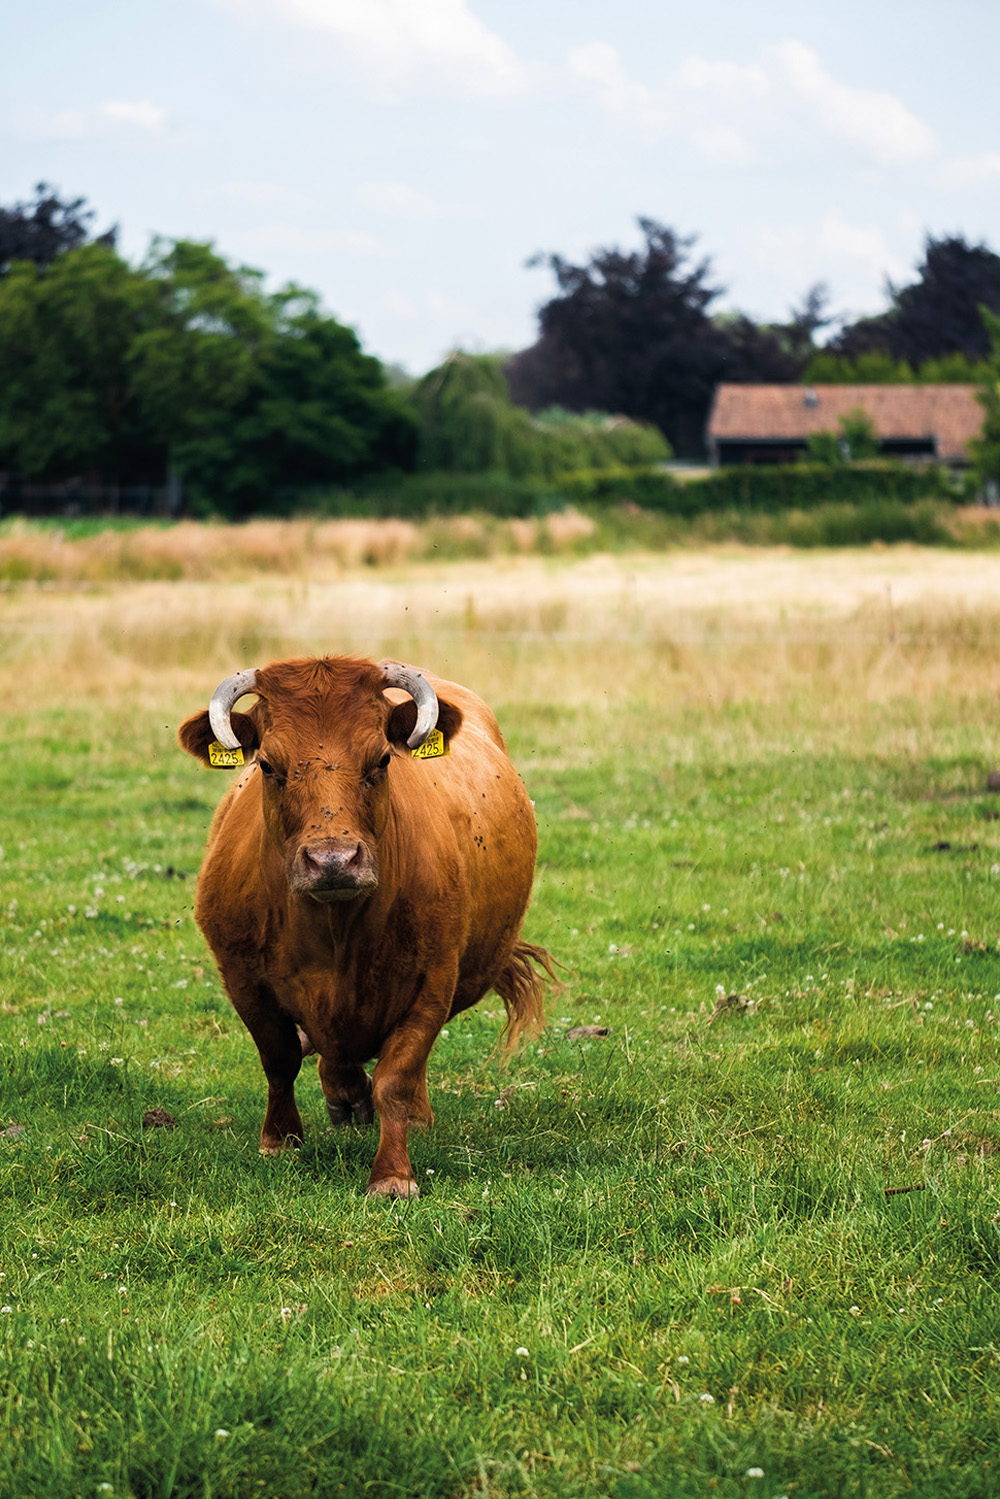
point(522, 990)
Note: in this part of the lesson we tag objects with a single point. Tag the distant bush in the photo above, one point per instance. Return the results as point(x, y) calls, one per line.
point(781, 487)
point(468, 425)
point(418, 496)
point(876, 367)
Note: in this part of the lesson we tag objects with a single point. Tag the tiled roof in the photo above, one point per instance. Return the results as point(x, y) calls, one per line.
point(950, 413)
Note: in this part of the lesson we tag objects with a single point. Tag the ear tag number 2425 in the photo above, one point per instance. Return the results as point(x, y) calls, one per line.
point(434, 745)
point(224, 759)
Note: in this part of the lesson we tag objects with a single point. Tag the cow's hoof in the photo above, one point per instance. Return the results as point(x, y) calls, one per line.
point(279, 1147)
point(393, 1186)
point(360, 1111)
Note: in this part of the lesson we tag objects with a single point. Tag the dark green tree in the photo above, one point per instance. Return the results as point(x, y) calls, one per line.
point(633, 332)
point(68, 405)
point(118, 373)
point(985, 451)
point(629, 332)
point(469, 425)
point(41, 230)
point(939, 313)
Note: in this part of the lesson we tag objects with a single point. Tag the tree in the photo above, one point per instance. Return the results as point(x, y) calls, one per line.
point(315, 411)
point(633, 332)
point(468, 425)
point(985, 451)
point(629, 332)
point(117, 373)
point(939, 313)
point(41, 230)
point(67, 402)
point(854, 440)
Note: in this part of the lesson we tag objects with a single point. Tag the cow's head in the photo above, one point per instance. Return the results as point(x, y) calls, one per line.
point(323, 736)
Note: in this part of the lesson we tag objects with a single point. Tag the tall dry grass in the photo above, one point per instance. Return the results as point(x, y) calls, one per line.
point(193, 552)
point(896, 647)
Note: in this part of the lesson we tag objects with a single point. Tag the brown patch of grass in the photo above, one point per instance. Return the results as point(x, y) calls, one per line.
point(893, 649)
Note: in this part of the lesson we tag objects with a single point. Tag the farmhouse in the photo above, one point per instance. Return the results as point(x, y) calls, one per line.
point(772, 423)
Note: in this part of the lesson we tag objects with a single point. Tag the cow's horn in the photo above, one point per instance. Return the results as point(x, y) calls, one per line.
point(223, 699)
point(422, 693)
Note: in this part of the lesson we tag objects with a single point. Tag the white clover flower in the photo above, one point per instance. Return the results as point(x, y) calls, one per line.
point(755, 1472)
point(706, 1399)
point(519, 1352)
point(221, 1434)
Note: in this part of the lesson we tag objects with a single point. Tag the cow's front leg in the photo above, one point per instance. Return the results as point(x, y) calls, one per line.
point(400, 1092)
point(347, 1089)
point(277, 1040)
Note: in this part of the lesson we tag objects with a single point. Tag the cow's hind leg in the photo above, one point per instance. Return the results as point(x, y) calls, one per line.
point(277, 1040)
point(347, 1089)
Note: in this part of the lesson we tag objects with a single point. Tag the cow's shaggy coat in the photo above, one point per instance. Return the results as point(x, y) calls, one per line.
point(362, 896)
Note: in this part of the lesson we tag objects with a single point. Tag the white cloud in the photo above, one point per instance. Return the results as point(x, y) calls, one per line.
point(291, 237)
point(408, 44)
point(400, 201)
point(784, 104)
point(879, 123)
point(647, 111)
point(140, 112)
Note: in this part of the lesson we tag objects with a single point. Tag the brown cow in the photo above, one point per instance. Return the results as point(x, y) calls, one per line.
point(366, 878)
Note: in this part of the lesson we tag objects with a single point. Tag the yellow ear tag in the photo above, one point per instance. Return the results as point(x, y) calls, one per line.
point(434, 745)
point(224, 759)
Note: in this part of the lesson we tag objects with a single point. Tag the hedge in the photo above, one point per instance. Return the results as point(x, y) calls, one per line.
point(798, 486)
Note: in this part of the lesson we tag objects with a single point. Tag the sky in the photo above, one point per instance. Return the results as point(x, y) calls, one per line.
point(406, 158)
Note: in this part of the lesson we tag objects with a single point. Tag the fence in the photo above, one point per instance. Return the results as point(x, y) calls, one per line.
point(73, 498)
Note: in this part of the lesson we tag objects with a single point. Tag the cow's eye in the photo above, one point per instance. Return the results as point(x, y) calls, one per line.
point(268, 770)
point(375, 773)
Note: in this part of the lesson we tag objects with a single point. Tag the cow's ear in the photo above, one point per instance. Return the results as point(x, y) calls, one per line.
point(403, 718)
point(195, 734)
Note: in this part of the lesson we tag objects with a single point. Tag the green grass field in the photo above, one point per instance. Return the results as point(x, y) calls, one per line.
point(752, 1252)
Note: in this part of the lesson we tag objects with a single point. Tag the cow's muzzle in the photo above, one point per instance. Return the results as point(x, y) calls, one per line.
point(333, 869)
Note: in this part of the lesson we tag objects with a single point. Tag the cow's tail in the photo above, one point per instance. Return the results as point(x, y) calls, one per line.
point(522, 989)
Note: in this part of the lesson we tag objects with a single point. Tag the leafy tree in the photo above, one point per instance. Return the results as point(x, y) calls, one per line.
point(774, 353)
point(985, 451)
point(468, 425)
point(629, 332)
point(41, 230)
point(875, 367)
point(114, 373)
point(633, 332)
point(67, 402)
point(939, 313)
point(316, 411)
point(854, 440)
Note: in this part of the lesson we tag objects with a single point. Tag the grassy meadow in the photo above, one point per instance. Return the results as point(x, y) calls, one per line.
point(747, 1243)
